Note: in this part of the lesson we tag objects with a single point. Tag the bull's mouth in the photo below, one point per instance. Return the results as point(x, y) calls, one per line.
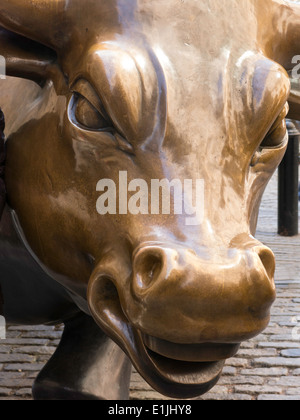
point(207, 352)
point(198, 365)
point(175, 370)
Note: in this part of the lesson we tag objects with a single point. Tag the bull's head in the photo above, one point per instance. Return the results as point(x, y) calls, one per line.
point(160, 89)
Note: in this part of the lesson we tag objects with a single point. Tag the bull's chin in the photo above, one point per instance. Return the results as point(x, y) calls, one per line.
point(174, 377)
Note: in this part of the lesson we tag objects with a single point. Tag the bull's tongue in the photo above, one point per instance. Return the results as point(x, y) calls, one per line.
point(177, 379)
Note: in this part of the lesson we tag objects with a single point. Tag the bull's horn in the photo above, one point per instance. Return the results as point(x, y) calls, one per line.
point(25, 58)
point(39, 20)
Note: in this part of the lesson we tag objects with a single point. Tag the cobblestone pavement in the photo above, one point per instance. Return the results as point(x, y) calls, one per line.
point(266, 368)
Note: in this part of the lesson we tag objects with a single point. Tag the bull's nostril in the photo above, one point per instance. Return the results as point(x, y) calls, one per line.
point(268, 260)
point(148, 268)
point(105, 303)
point(109, 290)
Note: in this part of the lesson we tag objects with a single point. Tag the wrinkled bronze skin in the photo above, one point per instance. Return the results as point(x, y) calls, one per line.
point(193, 90)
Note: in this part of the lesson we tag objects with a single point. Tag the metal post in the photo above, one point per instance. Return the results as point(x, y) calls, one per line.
point(288, 222)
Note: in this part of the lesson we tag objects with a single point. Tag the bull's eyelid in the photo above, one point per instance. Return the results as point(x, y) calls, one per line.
point(121, 140)
point(275, 125)
point(83, 88)
point(72, 111)
point(277, 147)
point(86, 90)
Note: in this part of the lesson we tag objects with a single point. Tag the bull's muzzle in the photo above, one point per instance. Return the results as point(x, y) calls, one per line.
point(181, 314)
point(186, 298)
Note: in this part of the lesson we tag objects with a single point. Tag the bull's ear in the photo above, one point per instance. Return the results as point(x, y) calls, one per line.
point(25, 58)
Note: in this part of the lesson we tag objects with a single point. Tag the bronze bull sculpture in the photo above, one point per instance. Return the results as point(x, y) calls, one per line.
point(162, 90)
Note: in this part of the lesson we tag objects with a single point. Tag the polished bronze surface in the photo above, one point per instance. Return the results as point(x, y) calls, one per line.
point(161, 90)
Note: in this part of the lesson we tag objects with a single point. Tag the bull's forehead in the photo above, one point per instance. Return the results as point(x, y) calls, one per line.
point(205, 26)
point(190, 37)
point(189, 68)
point(209, 24)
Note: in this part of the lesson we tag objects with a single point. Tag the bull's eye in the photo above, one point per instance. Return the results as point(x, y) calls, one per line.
point(277, 134)
point(87, 116)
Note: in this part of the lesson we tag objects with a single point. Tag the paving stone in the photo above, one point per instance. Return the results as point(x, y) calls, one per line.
point(268, 372)
point(277, 361)
point(12, 334)
point(278, 397)
point(236, 362)
point(23, 392)
point(32, 375)
point(5, 391)
point(43, 334)
point(280, 345)
point(229, 397)
point(293, 391)
point(249, 389)
point(287, 324)
point(140, 386)
point(291, 353)
point(288, 381)
point(284, 337)
point(24, 367)
point(241, 380)
point(257, 352)
point(276, 331)
point(18, 358)
point(219, 389)
point(229, 370)
point(11, 375)
point(248, 345)
point(37, 350)
point(149, 395)
point(16, 383)
point(25, 341)
point(31, 328)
